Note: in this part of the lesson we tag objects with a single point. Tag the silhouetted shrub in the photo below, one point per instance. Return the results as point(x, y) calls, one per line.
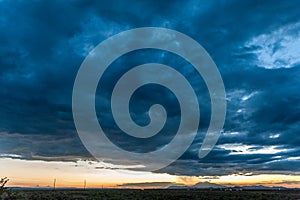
point(3, 181)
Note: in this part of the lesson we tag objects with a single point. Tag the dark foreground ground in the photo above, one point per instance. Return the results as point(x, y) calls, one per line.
point(152, 194)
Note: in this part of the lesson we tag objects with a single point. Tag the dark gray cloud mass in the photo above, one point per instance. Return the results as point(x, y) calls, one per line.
point(255, 45)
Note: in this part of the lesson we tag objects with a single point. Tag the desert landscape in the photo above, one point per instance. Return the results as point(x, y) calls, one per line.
point(149, 194)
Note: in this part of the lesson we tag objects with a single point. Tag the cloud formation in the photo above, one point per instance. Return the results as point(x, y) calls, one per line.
point(254, 44)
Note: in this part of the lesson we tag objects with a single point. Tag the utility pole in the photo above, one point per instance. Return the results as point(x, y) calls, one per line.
point(84, 185)
point(54, 184)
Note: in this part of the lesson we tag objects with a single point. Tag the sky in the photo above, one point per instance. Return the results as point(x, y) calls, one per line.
point(255, 45)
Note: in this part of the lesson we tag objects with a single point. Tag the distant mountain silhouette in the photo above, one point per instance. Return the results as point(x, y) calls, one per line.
point(178, 187)
point(200, 185)
point(214, 186)
point(207, 185)
point(262, 187)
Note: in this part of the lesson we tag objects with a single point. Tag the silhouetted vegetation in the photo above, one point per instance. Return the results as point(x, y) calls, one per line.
point(157, 194)
point(7, 194)
point(3, 182)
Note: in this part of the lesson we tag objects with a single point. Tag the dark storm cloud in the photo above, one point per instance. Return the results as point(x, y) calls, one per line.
point(44, 43)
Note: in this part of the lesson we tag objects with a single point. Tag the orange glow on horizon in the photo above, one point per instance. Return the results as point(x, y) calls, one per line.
point(33, 173)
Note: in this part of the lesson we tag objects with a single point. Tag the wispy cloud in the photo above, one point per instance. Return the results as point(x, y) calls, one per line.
point(277, 49)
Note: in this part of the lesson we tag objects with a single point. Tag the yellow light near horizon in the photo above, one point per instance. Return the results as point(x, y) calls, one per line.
point(284, 180)
point(30, 173)
point(264, 179)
